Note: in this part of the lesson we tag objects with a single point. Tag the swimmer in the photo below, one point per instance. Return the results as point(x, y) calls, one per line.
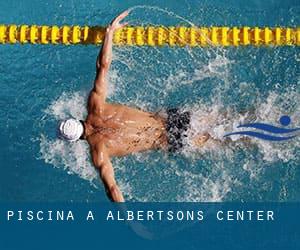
point(114, 130)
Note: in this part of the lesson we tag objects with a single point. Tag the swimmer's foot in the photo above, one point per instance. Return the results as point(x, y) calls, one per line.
point(200, 140)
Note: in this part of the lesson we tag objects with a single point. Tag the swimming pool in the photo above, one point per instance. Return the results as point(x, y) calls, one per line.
point(42, 84)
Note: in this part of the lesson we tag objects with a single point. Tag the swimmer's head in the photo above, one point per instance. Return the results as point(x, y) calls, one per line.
point(70, 130)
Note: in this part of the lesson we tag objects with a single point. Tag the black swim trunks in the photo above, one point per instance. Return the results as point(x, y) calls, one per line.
point(177, 125)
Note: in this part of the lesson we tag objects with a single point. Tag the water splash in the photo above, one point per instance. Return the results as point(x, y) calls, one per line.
point(214, 84)
point(192, 185)
point(74, 158)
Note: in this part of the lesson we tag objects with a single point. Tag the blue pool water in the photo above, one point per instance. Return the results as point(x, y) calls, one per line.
point(42, 84)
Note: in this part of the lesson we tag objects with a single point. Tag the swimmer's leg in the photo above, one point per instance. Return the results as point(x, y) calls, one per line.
point(200, 140)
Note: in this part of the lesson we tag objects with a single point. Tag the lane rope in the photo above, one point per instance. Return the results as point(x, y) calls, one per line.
point(152, 35)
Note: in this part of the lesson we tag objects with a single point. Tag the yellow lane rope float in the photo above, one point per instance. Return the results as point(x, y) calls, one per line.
point(152, 36)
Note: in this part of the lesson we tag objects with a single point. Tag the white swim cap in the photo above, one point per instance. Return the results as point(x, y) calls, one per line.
point(70, 130)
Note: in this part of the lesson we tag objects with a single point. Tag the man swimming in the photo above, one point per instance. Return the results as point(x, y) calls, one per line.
point(117, 130)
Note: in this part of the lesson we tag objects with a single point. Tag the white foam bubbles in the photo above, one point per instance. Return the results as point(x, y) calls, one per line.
point(271, 110)
point(72, 157)
point(148, 78)
point(212, 188)
point(218, 120)
point(68, 105)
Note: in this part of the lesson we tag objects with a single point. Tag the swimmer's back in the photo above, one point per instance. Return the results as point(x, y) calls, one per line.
point(126, 130)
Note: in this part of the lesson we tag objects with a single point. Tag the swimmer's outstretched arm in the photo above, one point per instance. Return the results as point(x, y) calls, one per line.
point(105, 56)
point(103, 164)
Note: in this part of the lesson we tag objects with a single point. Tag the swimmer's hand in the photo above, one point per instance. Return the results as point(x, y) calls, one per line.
point(115, 24)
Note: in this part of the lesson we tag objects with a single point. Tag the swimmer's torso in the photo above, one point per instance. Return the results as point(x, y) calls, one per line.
point(124, 130)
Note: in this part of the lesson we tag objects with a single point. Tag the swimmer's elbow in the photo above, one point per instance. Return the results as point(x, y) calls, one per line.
point(105, 63)
point(99, 163)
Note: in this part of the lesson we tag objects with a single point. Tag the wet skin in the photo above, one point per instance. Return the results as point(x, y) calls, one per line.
point(123, 130)
point(118, 130)
point(112, 129)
